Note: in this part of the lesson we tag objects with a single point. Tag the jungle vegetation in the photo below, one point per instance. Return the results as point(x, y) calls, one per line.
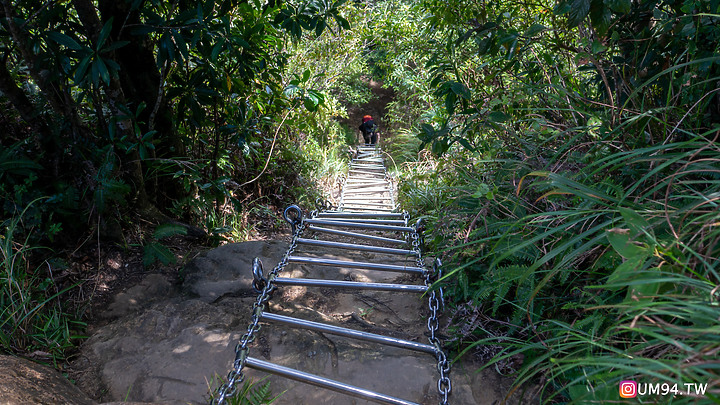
point(565, 154)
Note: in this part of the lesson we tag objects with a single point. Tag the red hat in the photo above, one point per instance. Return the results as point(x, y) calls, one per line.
point(366, 118)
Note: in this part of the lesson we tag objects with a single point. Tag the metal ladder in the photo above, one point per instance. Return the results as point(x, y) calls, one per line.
point(367, 203)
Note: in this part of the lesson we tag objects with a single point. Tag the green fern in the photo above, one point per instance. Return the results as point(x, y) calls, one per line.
point(522, 301)
point(157, 252)
point(252, 393)
point(504, 279)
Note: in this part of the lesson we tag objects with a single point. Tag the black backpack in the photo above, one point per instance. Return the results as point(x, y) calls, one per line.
point(368, 127)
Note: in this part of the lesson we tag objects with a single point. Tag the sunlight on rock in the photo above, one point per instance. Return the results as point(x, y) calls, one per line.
point(181, 349)
point(216, 338)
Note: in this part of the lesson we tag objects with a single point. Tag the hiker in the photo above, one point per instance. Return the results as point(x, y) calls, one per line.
point(369, 130)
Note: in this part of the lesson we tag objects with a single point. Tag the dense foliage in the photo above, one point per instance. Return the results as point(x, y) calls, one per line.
point(124, 112)
point(573, 188)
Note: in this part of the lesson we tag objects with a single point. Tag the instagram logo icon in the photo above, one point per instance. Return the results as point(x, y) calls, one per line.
point(628, 389)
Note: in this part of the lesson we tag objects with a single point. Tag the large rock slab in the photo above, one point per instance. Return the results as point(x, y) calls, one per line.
point(228, 268)
point(172, 352)
point(169, 353)
point(152, 288)
point(25, 382)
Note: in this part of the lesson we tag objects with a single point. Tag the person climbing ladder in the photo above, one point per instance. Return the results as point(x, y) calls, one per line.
point(369, 130)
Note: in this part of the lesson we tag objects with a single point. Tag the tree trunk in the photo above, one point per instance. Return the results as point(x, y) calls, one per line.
point(115, 98)
point(142, 82)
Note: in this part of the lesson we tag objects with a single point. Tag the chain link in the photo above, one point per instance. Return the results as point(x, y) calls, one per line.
point(435, 303)
point(266, 289)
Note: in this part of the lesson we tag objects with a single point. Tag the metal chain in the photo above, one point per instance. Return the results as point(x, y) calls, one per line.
point(435, 303)
point(265, 288)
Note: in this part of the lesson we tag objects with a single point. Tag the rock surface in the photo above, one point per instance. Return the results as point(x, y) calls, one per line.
point(152, 288)
point(172, 350)
point(227, 269)
point(25, 382)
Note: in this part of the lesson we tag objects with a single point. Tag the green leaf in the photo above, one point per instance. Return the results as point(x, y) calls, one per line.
point(103, 70)
point(63, 39)
point(635, 221)
point(320, 28)
point(181, 44)
point(598, 47)
point(342, 22)
point(114, 46)
point(464, 142)
point(482, 191)
point(534, 30)
point(600, 16)
point(498, 116)
point(619, 6)
point(450, 100)
point(167, 230)
point(156, 251)
point(439, 146)
point(104, 33)
point(313, 100)
point(460, 90)
point(562, 7)
point(625, 272)
point(620, 241)
point(216, 51)
point(148, 136)
point(81, 70)
point(578, 11)
point(641, 289)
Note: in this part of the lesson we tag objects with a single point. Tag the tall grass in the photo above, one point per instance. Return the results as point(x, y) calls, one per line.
point(34, 320)
point(598, 273)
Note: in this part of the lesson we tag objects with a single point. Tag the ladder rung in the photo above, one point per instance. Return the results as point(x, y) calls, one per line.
point(361, 197)
point(352, 285)
point(375, 183)
point(355, 209)
point(361, 215)
point(357, 205)
point(373, 202)
point(370, 221)
point(351, 333)
point(355, 265)
point(324, 382)
point(356, 235)
point(366, 194)
point(352, 246)
point(354, 172)
point(373, 188)
point(358, 225)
